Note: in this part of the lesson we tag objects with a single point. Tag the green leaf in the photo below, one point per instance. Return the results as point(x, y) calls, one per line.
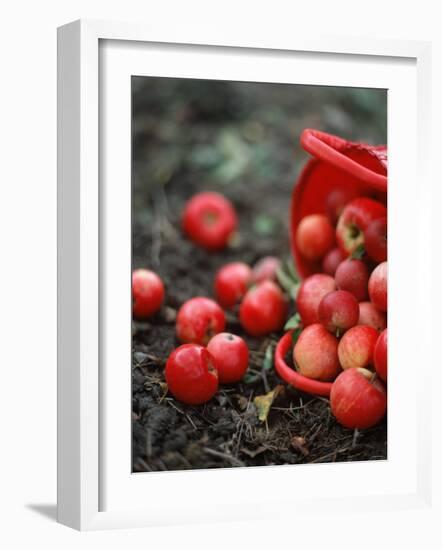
point(292, 271)
point(264, 225)
point(293, 322)
point(268, 358)
point(358, 253)
point(296, 334)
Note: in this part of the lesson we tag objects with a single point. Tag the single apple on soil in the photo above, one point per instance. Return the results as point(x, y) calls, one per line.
point(310, 294)
point(263, 309)
point(380, 355)
point(209, 220)
point(353, 221)
point(231, 283)
point(316, 353)
point(338, 311)
point(356, 347)
point(315, 236)
point(147, 293)
point(353, 275)
point(377, 286)
point(198, 320)
point(231, 356)
point(358, 399)
point(191, 374)
point(371, 316)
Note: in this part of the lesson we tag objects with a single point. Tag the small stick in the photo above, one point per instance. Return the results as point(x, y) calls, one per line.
point(230, 458)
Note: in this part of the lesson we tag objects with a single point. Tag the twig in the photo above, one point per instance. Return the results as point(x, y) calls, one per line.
point(230, 458)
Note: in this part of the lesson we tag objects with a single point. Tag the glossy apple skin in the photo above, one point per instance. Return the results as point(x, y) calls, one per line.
point(375, 240)
point(353, 221)
point(356, 347)
point(338, 311)
point(263, 309)
point(147, 293)
point(358, 399)
point(310, 294)
point(353, 275)
point(209, 220)
point(377, 286)
point(231, 356)
point(371, 316)
point(265, 269)
point(315, 236)
point(191, 374)
point(198, 320)
point(231, 283)
point(380, 355)
point(331, 261)
point(316, 353)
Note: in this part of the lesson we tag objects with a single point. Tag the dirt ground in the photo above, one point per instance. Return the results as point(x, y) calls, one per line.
point(241, 140)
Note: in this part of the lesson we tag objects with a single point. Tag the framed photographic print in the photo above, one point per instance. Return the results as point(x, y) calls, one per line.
point(223, 218)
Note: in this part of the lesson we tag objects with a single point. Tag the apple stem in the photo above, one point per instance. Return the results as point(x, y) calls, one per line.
point(355, 438)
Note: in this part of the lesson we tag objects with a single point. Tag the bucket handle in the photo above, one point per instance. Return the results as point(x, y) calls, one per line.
point(328, 148)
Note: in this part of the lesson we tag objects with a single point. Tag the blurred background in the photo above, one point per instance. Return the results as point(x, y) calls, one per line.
point(238, 138)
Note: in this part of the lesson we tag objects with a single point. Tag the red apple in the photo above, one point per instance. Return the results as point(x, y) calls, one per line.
point(352, 275)
point(263, 309)
point(371, 316)
point(147, 293)
point(315, 353)
point(331, 261)
point(356, 347)
point(380, 355)
point(358, 399)
point(338, 311)
point(336, 201)
point(315, 236)
point(198, 319)
point(231, 356)
point(310, 294)
point(353, 221)
point(375, 240)
point(231, 283)
point(191, 374)
point(209, 220)
point(377, 286)
point(265, 269)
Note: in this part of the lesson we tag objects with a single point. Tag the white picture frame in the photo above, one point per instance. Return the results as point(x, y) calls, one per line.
point(95, 486)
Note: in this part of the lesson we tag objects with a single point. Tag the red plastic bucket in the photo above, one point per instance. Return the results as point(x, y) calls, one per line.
point(337, 164)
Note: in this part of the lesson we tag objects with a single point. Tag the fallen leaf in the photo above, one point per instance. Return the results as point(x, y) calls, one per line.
point(263, 403)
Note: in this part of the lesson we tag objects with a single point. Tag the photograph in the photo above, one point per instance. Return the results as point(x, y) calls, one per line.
point(259, 274)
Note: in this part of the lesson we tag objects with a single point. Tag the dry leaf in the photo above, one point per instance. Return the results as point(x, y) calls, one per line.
point(263, 403)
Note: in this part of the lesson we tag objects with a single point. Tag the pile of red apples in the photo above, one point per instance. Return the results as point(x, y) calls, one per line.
point(343, 309)
point(342, 335)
